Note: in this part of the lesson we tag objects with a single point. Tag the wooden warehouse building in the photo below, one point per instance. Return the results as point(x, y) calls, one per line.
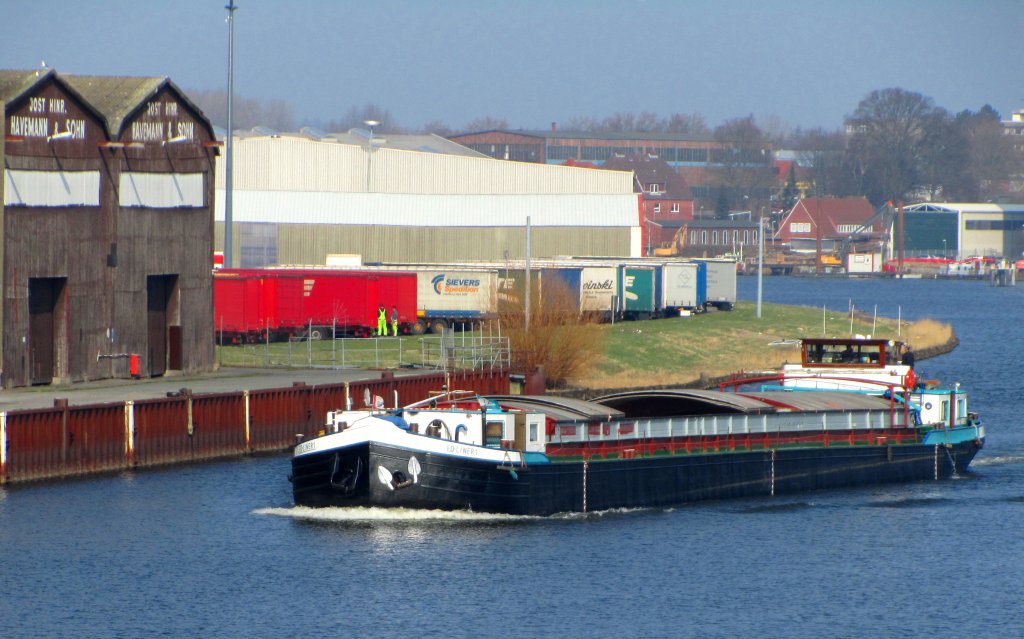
point(107, 229)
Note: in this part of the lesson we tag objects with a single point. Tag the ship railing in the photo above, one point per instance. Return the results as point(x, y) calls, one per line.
point(894, 391)
point(724, 425)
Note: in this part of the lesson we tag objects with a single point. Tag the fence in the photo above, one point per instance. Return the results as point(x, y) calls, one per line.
point(449, 351)
point(68, 440)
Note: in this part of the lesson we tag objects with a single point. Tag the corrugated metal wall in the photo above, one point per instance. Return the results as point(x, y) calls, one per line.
point(298, 164)
point(66, 441)
point(300, 207)
point(311, 243)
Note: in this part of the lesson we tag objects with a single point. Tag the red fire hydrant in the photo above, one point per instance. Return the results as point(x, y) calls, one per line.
point(133, 365)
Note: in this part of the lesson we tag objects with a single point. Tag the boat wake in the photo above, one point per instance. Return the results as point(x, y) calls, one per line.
point(777, 508)
point(411, 515)
point(370, 515)
point(912, 502)
point(998, 460)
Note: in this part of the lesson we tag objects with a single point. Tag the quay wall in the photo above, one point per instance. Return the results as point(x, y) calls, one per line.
point(66, 441)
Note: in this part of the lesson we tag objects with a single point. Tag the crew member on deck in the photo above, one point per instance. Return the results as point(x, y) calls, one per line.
point(394, 321)
point(908, 357)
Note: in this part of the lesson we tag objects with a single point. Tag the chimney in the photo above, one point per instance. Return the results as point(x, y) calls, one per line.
point(554, 127)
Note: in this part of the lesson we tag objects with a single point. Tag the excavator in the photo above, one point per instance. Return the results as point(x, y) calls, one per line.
point(675, 249)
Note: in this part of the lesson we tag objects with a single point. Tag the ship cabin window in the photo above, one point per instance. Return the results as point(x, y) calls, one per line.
point(533, 431)
point(961, 407)
point(945, 411)
point(493, 432)
point(862, 354)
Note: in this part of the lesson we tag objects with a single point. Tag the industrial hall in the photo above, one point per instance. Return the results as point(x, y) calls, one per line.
point(107, 229)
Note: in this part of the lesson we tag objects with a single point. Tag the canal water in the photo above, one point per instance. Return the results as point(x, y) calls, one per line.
point(217, 550)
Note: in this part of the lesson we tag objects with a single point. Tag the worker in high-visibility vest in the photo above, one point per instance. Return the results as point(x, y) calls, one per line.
point(382, 321)
point(394, 321)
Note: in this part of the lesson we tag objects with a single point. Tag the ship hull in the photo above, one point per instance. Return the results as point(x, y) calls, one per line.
point(353, 476)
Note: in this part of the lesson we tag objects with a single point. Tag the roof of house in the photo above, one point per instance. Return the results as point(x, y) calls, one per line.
point(831, 213)
point(651, 170)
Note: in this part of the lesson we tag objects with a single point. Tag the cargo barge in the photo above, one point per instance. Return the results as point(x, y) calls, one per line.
point(539, 455)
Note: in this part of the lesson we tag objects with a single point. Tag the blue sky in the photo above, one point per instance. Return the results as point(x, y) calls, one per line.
point(805, 63)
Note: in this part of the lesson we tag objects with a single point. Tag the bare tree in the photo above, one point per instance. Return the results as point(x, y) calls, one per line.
point(357, 116)
point(248, 112)
point(437, 127)
point(688, 124)
point(743, 164)
point(993, 158)
point(584, 124)
point(487, 123)
point(890, 134)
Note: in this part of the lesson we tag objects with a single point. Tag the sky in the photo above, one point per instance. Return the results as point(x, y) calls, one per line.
point(798, 63)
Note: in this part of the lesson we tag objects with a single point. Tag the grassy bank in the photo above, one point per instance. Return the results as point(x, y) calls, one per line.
point(662, 352)
point(683, 350)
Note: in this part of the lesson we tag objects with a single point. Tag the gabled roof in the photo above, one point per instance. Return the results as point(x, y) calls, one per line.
point(119, 97)
point(15, 83)
point(651, 170)
point(830, 213)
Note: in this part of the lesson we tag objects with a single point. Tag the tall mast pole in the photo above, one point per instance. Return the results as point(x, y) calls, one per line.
point(228, 175)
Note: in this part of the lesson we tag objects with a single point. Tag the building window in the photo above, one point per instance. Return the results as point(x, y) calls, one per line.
point(703, 237)
point(657, 207)
point(799, 227)
point(654, 187)
point(746, 237)
point(714, 237)
point(562, 152)
point(675, 207)
point(693, 237)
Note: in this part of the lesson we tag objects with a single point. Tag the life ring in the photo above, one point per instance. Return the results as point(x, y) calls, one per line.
point(927, 405)
point(910, 379)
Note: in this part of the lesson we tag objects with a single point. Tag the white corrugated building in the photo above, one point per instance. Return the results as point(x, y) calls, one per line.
point(297, 199)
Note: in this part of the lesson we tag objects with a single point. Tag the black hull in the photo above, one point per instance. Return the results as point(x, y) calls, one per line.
point(350, 477)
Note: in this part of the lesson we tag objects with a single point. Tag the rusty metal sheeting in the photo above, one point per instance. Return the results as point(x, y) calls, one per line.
point(65, 441)
point(161, 432)
point(95, 439)
point(35, 445)
point(218, 425)
point(277, 415)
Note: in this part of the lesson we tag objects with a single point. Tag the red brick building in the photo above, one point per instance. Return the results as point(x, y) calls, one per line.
point(834, 220)
point(666, 196)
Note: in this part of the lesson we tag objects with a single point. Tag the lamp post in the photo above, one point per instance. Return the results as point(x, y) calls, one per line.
point(369, 150)
point(760, 259)
point(228, 168)
point(944, 254)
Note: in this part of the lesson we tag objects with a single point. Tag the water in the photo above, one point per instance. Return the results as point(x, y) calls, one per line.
point(217, 550)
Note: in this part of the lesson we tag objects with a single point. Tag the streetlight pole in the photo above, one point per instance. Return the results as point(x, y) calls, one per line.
point(228, 172)
point(760, 259)
point(369, 150)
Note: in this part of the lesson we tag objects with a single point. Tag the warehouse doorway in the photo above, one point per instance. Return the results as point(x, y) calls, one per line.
point(46, 321)
point(161, 318)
